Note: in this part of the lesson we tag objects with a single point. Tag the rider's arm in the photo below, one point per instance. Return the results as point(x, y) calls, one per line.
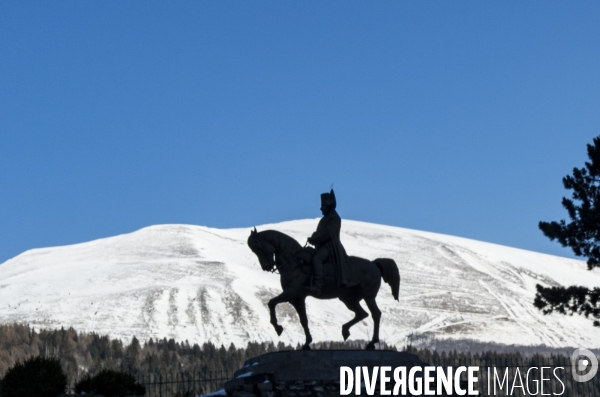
point(328, 232)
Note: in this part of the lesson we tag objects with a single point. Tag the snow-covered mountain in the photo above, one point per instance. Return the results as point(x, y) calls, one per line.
point(203, 284)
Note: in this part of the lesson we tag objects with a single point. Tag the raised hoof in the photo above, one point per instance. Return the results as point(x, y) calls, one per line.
point(345, 333)
point(278, 329)
point(306, 347)
point(370, 346)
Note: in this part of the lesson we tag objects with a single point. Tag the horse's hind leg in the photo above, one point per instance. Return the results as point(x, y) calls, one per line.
point(376, 313)
point(300, 306)
point(359, 314)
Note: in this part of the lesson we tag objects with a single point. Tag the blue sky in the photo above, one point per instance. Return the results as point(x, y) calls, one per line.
point(452, 117)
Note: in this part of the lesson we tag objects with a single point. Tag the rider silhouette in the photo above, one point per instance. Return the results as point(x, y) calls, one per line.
point(327, 244)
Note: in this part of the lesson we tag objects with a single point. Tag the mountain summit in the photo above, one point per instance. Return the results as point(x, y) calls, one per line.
point(204, 284)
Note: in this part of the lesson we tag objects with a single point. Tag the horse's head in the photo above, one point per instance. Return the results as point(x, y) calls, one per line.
point(263, 250)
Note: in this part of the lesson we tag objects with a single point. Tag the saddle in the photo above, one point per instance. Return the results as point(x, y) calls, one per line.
point(305, 255)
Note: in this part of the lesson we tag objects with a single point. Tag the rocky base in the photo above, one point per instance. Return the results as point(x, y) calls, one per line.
point(313, 373)
point(287, 389)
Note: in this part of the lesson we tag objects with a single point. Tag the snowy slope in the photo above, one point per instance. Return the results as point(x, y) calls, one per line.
point(201, 284)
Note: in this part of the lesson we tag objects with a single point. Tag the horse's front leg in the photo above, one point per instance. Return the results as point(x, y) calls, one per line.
point(300, 306)
point(283, 297)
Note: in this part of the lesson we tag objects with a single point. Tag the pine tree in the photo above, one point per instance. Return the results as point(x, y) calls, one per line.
point(131, 359)
point(582, 235)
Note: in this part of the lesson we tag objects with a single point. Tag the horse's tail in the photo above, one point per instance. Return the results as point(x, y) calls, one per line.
point(390, 273)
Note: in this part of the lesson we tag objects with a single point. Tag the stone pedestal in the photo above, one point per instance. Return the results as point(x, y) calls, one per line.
point(308, 373)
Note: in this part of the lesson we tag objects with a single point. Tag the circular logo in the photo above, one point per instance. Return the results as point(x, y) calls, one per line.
point(579, 365)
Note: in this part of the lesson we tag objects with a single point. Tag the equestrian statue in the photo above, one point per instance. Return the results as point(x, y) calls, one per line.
point(323, 272)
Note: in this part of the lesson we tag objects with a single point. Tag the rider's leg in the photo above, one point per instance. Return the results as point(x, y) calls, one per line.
point(320, 256)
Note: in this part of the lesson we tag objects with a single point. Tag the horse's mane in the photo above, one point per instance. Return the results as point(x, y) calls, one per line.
point(284, 240)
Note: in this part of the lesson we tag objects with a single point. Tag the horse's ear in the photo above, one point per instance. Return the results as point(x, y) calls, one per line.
point(254, 231)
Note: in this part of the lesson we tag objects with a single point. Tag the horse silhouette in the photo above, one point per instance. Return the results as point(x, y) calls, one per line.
point(278, 251)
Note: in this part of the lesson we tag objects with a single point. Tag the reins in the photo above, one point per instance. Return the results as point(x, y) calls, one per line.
point(275, 268)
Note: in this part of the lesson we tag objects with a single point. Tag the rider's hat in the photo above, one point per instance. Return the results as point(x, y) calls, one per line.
point(328, 200)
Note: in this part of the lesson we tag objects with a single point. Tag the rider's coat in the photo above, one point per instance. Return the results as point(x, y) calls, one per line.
point(328, 235)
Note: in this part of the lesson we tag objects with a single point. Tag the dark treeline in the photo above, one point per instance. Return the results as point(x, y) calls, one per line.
point(491, 358)
point(83, 353)
point(432, 342)
point(89, 353)
point(517, 367)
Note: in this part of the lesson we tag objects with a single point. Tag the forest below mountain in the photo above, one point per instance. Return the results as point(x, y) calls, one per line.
point(82, 353)
point(88, 353)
